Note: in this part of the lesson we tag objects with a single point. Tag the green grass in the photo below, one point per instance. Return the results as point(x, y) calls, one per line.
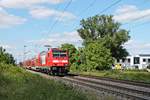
point(133, 75)
point(17, 84)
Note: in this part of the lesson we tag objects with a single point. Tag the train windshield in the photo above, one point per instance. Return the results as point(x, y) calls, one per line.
point(63, 54)
point(58, 53)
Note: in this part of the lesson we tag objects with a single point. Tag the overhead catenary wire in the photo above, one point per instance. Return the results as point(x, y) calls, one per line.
point(138, 25)
point(56, 21)
point(93, 2)
point(88, 7)
point(40, 45)
point(111, 5)
point(66, 7)
point(137, 19)
point(108, 7)
point(56, 9)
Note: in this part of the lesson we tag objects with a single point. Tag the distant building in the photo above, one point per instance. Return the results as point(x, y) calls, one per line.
point(140, 61)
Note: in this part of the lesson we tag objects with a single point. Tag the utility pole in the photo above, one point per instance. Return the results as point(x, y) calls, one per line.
point(24, 52)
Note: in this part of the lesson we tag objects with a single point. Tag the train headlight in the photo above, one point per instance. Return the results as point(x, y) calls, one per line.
point(55, 61)
point(64, 61)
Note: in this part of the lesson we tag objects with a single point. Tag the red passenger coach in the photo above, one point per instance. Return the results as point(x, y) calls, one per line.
point(54, 61)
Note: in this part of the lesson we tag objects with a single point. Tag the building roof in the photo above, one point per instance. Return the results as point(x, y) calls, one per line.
point(144, 55)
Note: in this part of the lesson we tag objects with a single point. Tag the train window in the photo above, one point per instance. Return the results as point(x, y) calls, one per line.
point(55, 50)
point(144, 60)
point(55, 54)
point(62, 55)
point(59, 53)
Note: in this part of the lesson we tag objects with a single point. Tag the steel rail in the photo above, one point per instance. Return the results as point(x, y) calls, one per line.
point(114, 89)
point(137, 83)
point(109, 88)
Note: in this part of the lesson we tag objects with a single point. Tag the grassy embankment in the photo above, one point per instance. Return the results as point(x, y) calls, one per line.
point(17, 84)
point(134, 75)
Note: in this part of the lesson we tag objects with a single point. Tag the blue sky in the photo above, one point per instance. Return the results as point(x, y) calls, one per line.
point(29, 22)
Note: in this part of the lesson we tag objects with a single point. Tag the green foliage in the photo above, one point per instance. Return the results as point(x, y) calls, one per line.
point(94, 57)
point(98, 57)
point(74, 67)
point(6, 57)
point(17, 84)
point(82, 56)
point(105, 30)
point(132, 75)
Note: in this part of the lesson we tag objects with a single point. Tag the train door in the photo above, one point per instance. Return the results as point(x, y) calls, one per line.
point(43, 59)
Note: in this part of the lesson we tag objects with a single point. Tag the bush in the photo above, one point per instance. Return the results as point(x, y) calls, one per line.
point(98, 57)
point(74, 67)
point(17, 84)
point(6, 57)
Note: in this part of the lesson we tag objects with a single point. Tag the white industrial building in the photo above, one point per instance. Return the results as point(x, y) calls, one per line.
point(140, 61)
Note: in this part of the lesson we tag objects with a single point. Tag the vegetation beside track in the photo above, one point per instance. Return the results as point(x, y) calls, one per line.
point(131, 75)
point(17, 84)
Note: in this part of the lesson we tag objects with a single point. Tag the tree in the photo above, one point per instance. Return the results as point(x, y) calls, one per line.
point(82, 55)
point(105, 30)
point(6, 57)
point(98, 57)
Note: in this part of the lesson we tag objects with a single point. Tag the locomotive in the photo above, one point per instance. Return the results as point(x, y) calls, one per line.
point(54, 61)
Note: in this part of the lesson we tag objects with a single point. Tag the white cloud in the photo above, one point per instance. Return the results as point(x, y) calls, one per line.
point(37, 10)
point(26, 3)
point(42, 12)
point(129, 13)
point(57, 39)
point(7, 20)
point(135, 47)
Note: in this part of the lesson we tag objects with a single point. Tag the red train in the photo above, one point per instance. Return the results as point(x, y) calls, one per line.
point(54, 61)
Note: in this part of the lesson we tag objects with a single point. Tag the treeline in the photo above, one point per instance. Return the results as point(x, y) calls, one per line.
point(5, 57)
point(103, 41)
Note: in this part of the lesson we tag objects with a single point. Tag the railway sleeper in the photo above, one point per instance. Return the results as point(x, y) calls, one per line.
point(111, 90)
point(117, 86)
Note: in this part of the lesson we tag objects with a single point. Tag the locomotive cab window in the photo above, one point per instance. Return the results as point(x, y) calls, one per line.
point(55, 54)
point(59, 53)
point(63, 55)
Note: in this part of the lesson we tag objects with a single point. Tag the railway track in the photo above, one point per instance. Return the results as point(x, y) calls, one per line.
point(137, 83)
point(133, 92)
point(122, 89)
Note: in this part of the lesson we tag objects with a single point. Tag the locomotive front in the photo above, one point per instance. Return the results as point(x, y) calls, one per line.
point(59, 61)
